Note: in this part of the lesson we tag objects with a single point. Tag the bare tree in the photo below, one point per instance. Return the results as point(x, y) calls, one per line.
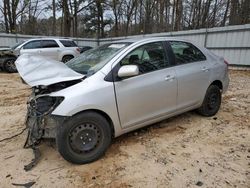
point(54, 17)
point(178, 13)
point(122, 17)
point(12, 10)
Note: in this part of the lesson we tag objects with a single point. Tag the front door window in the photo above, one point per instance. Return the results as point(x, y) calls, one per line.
point(149, 57)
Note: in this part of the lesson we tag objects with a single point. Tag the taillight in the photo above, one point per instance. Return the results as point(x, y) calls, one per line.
point(78, 49)
point(226, 62)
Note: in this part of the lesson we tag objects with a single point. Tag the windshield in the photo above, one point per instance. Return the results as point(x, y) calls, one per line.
point(91, 61)
point(16, 45)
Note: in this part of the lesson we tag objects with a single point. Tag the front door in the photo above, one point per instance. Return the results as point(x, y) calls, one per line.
point(33, 47)
point(151, 94)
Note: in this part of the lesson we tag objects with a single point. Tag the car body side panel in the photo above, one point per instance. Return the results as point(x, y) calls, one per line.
point(51, 53)
point(145, 97)
point(219, 70)
point(99, 95)
point(192, 83)
point(34, 52)
point(119, 131)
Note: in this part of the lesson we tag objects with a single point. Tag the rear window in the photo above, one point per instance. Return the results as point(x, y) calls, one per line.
point(68, 43)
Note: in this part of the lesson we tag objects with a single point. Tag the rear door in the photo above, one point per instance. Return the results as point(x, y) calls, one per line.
point(71, 45)
point(151, 94)
point(49, 49)
point(192, 71)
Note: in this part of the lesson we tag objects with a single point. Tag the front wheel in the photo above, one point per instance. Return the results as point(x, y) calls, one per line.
point(84, 138)
point(212, 101)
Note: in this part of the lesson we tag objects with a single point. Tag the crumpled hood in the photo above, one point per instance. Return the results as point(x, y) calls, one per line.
point(38, 70)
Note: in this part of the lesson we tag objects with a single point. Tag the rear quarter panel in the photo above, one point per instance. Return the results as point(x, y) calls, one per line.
point(219, 70)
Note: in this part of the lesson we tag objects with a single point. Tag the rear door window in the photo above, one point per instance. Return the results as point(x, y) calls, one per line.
point(33, 45)
point(49, 44)
point(185, 52)
point(68, 43)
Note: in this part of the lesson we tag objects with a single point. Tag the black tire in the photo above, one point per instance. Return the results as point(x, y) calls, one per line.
point(212, 101)
point(84, 138)
point(9, 65)
point(66, 58)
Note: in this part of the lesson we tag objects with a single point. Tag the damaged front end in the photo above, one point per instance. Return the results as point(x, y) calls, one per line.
point(45, 76)
point(40, 122)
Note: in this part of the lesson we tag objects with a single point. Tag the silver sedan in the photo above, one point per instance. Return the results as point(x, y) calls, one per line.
point(116, 88)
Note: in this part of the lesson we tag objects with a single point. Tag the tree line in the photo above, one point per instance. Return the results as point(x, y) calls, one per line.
point(108, 18)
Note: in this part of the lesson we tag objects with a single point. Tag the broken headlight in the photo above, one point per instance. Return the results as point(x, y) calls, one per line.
point(44, 105)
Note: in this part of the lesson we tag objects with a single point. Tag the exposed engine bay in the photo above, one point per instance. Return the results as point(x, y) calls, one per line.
point(39, 120)
point(51, 77)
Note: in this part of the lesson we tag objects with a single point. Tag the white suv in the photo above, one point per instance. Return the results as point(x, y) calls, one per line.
point(57, 49)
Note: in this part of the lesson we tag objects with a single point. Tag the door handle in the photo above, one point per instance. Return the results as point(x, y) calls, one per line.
point(39, 51)
point(205, 69)
point(169, 78)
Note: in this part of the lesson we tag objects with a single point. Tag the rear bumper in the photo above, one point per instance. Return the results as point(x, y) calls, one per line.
point(225, 83)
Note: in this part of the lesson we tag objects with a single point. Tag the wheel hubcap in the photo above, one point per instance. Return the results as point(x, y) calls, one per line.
point(84, 138)
point(11, 65)
point(212, 101)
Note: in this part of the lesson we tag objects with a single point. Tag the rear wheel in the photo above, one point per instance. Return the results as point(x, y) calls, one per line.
point(66, 58)
point(84, 138)
point(9, 65)
point(212, 101)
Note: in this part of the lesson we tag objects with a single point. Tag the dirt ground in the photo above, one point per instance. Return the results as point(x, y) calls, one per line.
point(184, 151)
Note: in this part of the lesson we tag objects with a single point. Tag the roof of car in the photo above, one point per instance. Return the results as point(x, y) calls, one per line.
point(142, 39)
point(50, 39)
point(130, 40)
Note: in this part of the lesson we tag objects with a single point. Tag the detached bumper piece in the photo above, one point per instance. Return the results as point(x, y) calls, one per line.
point(32, 140)
point(40, 124)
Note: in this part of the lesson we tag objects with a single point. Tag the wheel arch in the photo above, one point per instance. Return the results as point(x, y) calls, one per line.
point(217, 83)
point(71, 55)
point(67, 55)
point(105, 115)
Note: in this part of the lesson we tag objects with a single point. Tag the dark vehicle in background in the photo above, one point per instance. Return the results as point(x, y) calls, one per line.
point(7, 60)
point(84, 48)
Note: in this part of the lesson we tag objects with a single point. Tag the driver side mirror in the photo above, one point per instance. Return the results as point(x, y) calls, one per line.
point(128, 71)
